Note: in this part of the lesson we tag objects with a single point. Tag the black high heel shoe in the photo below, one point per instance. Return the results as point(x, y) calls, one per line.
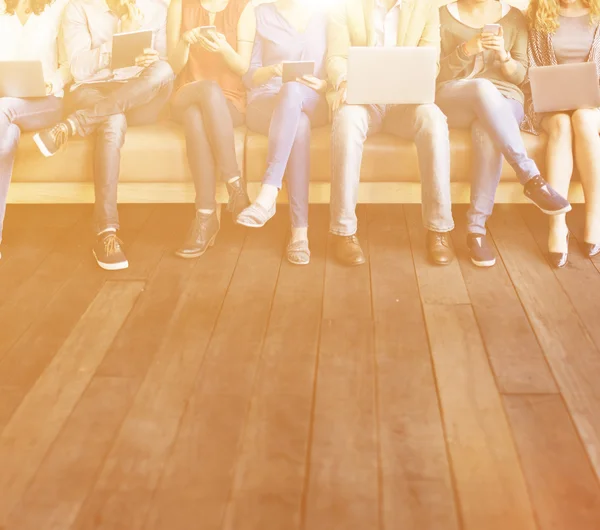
point(559, 259)
point(591, 249)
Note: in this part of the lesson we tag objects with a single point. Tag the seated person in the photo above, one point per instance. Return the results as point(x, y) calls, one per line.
point(210, 102)
point(104, 102)
point(478, 89)
point(287, 30)
point(386, 23)
point(563, 31)
point(29, 32)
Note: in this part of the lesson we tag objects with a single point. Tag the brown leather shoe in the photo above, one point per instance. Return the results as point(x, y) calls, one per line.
point(438, 248)
point(348, 251)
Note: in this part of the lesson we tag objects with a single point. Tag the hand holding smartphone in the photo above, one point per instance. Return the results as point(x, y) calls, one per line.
point(491, 29)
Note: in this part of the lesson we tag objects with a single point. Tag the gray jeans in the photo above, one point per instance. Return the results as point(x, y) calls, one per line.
point(425, 125)
point(105, 109)
point(494, 122)
point(17, 115)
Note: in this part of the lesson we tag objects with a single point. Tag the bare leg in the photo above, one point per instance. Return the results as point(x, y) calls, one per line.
point(559, 170)
point(586, 126)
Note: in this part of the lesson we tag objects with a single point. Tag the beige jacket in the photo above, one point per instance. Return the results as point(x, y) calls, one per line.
point(351, 25)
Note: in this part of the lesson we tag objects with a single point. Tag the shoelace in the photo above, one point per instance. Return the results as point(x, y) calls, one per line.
point(60, 134)
point(353, 239)
point(112, 245)
point(442, 239)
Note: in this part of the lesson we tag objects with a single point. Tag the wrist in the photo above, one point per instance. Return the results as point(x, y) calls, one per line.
point(504, 57)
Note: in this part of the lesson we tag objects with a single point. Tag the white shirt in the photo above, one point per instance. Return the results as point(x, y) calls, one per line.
point(88, 29)
point(36, 40)
point(386, 23)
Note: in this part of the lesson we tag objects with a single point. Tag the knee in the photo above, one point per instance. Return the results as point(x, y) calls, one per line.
point(113, 130)
point(558, 127)
point(291, 94)
point(430, 120)
point(482, 90)
point(585, 121)
point(304, 127)
point(350, 123)
point(161, 73)
point(210, 93)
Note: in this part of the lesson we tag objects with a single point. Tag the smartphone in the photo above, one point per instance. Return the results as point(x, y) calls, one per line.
point(207, 31)
point(292, 70)
point(494, 29)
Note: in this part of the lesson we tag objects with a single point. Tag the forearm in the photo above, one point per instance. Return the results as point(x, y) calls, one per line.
point(236, 63)
point(179, 57)
point(513, 71)
point(262, 75)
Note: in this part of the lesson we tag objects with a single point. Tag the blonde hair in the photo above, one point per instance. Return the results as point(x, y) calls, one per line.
point(543, 14)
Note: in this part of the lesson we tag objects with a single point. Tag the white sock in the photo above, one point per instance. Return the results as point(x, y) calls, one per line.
point(232, 180)
point(267, 196)
point(299, 234)
point(205, 212)
point(113, 230)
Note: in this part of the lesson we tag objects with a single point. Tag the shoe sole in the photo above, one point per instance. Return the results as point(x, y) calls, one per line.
point(42, 146)
point(248, 225)
point(566, 209)
point(488, 263)
point(111, 266)
point(211, 244)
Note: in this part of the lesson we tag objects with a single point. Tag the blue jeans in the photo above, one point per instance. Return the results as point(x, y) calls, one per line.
point(287, 117)
point(494, 122)
point(425, 125)
point(17, 115)
point(105, 109)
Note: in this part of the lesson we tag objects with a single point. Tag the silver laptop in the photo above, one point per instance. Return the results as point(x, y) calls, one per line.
point(394, 75)
point(22, 79)
point(564, 87)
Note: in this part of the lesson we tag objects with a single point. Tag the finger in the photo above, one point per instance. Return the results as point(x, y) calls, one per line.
point(501, 31)
point(150, 51)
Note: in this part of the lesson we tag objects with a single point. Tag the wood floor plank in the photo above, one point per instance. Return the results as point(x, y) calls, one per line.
point(343, 488)
point(271, 471)
point(563, 487)
point(417, 489)
point(489, 481)
point(161, 233)
point(345, 295)
point(64, 478)
point(569, 349)
point(576, 222)
point(437, 284)
point(197, 480)
point(133, 467)
point(36, 292)
point(28, 358)
point(27, 246)
point(579, 278)
point(44, 411)
point(517, 359)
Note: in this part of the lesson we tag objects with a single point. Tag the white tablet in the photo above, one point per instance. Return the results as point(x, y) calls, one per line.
point(127, 47)
point(22, 79)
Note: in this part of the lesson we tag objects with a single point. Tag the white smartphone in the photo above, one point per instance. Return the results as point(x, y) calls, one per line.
point(292, 70)
point(494, 29)
point(206, 31)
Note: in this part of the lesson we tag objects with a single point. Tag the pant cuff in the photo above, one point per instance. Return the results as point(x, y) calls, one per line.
point(441, 230)
point(342, 232)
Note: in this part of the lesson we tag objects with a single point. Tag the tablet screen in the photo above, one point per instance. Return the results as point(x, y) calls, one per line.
point(128, 46)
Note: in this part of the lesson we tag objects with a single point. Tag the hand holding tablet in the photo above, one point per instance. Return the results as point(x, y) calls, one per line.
point(132, 49)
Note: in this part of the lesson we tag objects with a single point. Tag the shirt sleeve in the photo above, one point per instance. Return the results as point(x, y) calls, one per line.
point(256, 61)
point(85, 61)
point(62, 77)
point(518, 52)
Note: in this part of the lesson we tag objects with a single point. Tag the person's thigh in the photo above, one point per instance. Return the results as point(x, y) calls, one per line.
point(405, 120)
point(86, 96)
point(150, 112)
point(259, 113)
point(32, 114)
point(453, 100)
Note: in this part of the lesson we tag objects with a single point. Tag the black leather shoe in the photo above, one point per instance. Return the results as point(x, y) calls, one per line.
point(559, 259)
point(238, 198)
point(591, 249)
point(201, 235)
point(348, 251)
point(438, 248)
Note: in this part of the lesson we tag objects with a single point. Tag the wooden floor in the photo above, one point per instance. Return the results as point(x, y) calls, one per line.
point(238, 392)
